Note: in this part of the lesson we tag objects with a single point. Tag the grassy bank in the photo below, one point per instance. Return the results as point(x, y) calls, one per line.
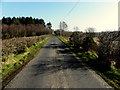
point(111, 77)
point(16, 61)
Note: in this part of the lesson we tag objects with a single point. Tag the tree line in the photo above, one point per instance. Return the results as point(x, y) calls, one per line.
point(24, 26)
point(22, 20)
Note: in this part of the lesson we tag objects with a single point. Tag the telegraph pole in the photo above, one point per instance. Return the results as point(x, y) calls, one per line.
point(60, 28)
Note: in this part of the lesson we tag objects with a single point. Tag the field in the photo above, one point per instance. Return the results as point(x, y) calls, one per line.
point(18, 51)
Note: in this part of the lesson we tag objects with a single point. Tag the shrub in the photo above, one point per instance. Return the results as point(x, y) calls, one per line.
point(77, 38)
point(18, 45)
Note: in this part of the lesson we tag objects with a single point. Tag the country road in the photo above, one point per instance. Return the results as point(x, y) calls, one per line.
point(55, 66)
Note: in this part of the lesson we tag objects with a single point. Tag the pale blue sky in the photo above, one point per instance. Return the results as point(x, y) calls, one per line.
point(99, 15)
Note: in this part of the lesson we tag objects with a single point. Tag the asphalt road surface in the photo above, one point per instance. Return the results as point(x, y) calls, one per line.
point(55, 66)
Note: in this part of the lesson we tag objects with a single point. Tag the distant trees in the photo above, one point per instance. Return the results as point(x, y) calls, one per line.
point(22, 20)
point(62, 33)
point(90, 32)
point(63, 25)
point(76, 28)
point(49, 25)
point(23, 26)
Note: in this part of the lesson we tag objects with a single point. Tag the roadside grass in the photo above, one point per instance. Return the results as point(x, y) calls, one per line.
point(14, 62)
point(112, 77)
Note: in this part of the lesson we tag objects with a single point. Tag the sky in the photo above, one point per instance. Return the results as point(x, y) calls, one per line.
point(99, 15)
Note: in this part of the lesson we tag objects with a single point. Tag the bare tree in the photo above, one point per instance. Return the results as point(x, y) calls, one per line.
point(90, 32)
point(76, 28)
point(63, 25)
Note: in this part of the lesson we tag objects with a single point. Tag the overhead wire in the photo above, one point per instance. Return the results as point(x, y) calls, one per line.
point(69, 12)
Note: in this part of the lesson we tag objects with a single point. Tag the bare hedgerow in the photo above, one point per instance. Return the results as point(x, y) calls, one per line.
point(108, 50)
point(11, 31)
point(105, 44)
point(18, 45)
point(77, 38)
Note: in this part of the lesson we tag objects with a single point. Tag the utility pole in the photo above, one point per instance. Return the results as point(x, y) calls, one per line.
point(60, 28)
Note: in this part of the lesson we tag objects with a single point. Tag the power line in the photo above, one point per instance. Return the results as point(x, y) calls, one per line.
point(72, 9)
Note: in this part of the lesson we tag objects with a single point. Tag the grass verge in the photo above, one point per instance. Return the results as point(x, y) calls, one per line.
point(111, 77)
point(15, 62)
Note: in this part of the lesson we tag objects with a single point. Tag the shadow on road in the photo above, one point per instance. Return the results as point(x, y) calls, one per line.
point(55, 64)
point(51, 46)
point(64, 51)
